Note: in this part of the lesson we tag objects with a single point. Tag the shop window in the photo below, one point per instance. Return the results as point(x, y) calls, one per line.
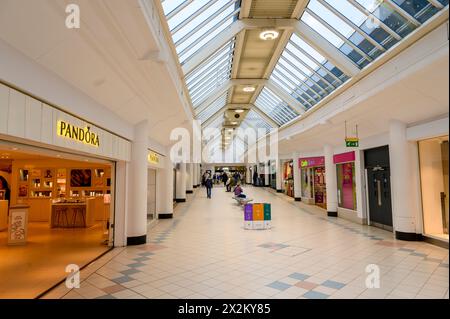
point(434, 182)
point(346, 185)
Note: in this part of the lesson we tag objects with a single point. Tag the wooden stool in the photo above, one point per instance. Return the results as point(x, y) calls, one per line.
point(61, 213)
point(78, 211)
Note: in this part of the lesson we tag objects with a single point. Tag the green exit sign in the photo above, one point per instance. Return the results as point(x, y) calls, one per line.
point(352, 142)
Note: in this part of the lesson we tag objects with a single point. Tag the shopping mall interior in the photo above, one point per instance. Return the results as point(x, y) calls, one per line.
point(224, 149)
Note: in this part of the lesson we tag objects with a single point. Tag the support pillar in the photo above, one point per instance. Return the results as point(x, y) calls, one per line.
point(166, 195)
point(266, 175)
point(137, 212)
point(181, 183)
point(330, 181)
point(297, 179)
point(189, 178)
point(403, 213)
point(278, 176)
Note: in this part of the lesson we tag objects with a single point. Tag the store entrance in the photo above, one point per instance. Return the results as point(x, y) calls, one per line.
point(56, 210)
point(379, 187)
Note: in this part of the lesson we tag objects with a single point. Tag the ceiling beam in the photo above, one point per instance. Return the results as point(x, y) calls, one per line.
point(213, 96)
point(280, 24)
point(266, 118)
point(290, 100)
point(299, 9)
point(325, 48)
point(246, 5)
point(248, 81)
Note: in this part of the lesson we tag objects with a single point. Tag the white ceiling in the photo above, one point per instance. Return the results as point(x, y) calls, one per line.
point(107, 58)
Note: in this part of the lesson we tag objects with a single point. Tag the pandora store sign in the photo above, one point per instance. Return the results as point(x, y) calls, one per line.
point(79, 134)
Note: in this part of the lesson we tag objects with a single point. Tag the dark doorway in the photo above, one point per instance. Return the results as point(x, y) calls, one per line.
point(379, 187)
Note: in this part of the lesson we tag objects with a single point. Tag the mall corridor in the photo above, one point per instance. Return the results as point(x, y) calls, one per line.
point(204, 252)
point(333, 115)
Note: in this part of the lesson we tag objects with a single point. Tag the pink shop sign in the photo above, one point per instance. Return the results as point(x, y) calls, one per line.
point(344, 157)
point(311, 162)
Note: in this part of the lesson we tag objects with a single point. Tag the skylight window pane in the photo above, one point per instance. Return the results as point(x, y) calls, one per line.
point(213, 108)
point(322, 30)
point(363, 22)
point(211, 74)
point(274, 107)
point(343, 28)
point(254, 120)
point(306, 74)
point(422, 10)
point(193, 24)
point(388, 16)
point(170, 5)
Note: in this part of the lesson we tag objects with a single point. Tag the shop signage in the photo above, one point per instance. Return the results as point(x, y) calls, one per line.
point(153, 158)
point(312, 161)
point(79, 134)
point(344, 157)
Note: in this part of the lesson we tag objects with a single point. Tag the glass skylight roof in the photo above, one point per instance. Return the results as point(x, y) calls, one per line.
point(213, 108)
point(210, 74)
point(254, 120)
point(364, 29)
point(274, 107)
point(305, 74)
point(194, 23)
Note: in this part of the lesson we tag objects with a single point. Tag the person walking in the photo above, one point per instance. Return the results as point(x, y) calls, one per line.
point(224, 179)
point(209, 186)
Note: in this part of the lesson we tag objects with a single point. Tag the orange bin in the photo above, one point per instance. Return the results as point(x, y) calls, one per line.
point(258, 212)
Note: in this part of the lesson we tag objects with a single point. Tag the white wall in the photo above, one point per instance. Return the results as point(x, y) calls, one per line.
point(22, 72)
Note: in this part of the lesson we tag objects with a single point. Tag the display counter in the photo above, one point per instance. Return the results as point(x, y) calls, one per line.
point(68, 215)
point(3, 215)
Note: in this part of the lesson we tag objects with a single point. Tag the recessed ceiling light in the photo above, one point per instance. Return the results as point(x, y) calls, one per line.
point(269, 35)
point(249, 89)
point(239, 111)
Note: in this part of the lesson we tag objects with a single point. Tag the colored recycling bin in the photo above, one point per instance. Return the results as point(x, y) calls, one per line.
point(258, 212)
point(248, 212)
point(258, 216)
point(267, 212)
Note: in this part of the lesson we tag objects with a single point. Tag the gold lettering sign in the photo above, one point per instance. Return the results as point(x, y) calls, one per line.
point(153, 158)
point(82, 135)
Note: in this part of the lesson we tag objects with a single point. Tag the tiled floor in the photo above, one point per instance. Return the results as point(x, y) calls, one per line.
point(204, 252)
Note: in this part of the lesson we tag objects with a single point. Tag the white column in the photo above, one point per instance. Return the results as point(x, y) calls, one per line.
point(195, 175)
point(403, 213)
point(181, 183)
point(297, 179)
point(165, 195)
point(360, 190)
point(248, 175)
point(137, 213)
point(278, 176)
point(189, 178)
point(331, 181)
point(265, 174)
